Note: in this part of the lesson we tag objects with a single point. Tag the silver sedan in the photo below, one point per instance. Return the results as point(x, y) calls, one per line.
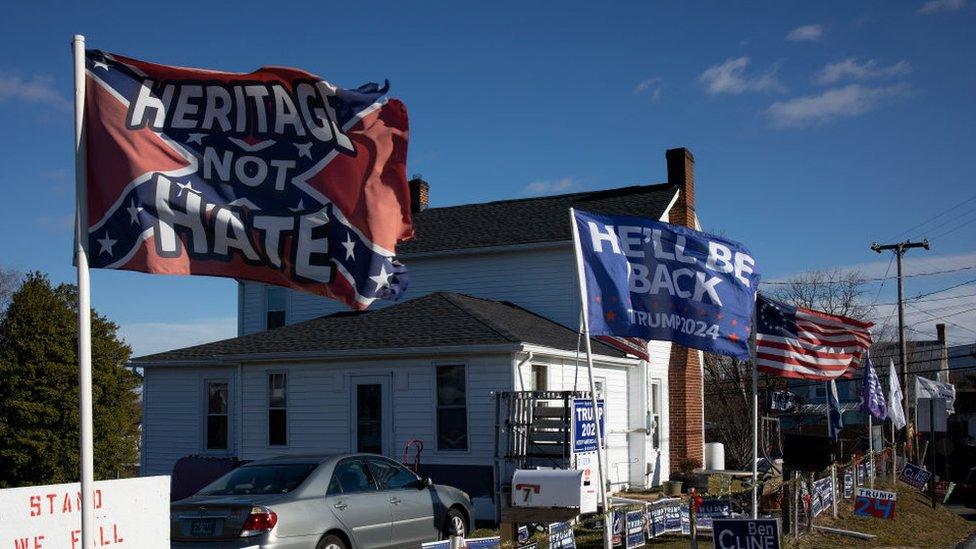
point(347, 501)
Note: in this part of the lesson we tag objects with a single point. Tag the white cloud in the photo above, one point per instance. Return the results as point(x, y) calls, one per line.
point(848, 101)
point(730, 77)
point(651, 87)
point(552, 186)
point(856, 69)
point(154, 337)
point(942, 6)
point(806, 33)
point(39, 89)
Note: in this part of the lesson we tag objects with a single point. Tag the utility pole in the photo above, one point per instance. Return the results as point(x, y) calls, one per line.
point(900, 248)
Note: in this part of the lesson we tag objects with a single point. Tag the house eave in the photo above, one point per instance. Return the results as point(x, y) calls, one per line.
point(330, 355)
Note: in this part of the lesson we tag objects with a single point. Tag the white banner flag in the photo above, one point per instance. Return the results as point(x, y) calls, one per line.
point(926, 388)
point(895, 411)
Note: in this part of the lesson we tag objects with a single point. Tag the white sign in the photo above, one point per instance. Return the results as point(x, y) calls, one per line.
point(129, 513)
point(928, 409)
point(926, 388)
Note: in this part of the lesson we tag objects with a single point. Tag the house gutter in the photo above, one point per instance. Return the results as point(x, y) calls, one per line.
point(332, 355)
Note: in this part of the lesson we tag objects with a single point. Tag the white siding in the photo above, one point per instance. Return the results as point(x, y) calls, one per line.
point(320, 406)
point(566, 375)
point(541, 280)
point(173, 415)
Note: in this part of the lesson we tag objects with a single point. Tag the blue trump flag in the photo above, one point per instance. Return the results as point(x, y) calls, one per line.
point(653, 280)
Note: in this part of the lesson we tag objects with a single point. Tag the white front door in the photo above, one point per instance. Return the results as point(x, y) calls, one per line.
point(372, 414)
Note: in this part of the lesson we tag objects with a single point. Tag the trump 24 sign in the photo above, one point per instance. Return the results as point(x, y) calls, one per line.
point(874, 503)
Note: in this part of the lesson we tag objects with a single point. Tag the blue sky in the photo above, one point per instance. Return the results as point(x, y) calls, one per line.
point(817, 127)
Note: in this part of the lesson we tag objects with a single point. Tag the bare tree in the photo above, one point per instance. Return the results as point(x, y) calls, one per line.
point(9, 282)
point(833, 291)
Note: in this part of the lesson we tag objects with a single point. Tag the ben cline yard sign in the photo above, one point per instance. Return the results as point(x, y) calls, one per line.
point(913, 475)
point(874, 503)
point(746, 534)
point(128, 513)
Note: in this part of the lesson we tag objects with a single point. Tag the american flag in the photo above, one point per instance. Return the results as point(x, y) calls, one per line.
point(805, 344)
point(630, 345)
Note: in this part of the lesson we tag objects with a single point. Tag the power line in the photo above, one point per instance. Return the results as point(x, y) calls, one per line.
point(934, 217)
point(793, 384)
point(953, 287)
point(950, 231)
point(916, 300)
point(874, 279)
point(943, 317)
point(950, 220)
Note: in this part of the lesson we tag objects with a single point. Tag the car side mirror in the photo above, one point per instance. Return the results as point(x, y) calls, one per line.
point(424, 483)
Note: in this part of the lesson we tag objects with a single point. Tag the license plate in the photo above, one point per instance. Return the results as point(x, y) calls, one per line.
point(203, 527)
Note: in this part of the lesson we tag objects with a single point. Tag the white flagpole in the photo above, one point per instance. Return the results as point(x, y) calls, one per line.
point(755, 412)
point(607, 518)
point(871, 446)
point(84, 303)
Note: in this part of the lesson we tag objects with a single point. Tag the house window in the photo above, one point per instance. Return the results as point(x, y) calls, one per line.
point(275, 307)
point(217, 415)
point(655, 413)
point(277, 409)
point(452, 410)
point(540, 378)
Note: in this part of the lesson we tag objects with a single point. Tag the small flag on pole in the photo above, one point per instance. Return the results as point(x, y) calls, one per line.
point(872, 397)
point(835, 415)
point(895, 396)
point(805, 344)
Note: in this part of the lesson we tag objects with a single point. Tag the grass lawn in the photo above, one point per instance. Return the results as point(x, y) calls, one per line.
point(915, 524)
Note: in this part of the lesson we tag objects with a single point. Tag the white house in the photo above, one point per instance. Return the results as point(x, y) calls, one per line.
point(493, 306)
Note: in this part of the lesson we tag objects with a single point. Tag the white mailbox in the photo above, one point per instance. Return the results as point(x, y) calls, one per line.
point(566, 488)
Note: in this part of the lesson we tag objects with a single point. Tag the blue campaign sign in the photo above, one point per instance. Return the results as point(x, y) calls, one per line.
point(823, 495)
point(561, 536)
point(653, 280)
point(913, 475)
point(745, 533)
point(584, 426)
point(711, 509)
point(635, 530)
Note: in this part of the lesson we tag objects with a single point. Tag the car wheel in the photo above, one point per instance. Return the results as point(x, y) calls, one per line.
point(331, 542)
point(455, 524)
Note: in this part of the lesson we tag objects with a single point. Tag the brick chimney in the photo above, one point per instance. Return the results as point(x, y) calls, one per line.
point(419, 194)
point(685, 396)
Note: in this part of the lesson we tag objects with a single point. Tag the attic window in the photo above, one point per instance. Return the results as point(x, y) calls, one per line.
point(275, 300)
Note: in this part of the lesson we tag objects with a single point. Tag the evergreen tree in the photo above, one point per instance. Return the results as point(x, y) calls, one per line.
point(39, 390)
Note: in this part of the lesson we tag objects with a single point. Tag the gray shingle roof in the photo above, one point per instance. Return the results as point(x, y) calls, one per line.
point(528, 220)
point(436, 320)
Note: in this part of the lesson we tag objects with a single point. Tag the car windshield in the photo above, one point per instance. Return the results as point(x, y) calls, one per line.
point(260, 479)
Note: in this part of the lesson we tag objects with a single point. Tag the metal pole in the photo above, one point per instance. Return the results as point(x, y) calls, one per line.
point(607, 520)
point(755, 413)
point(84, 304)
point(833, 488)
point(932, 445)
point(871, 446)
